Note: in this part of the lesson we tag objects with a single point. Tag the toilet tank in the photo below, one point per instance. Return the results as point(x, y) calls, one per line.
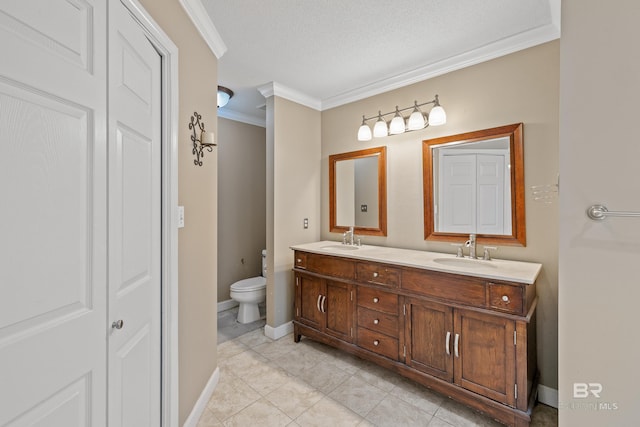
point(264, 263)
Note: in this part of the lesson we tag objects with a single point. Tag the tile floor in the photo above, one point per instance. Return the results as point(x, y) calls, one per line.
point(265, 382)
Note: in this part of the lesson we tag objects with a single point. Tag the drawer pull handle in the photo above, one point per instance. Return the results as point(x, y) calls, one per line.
point(376, 343)
point(375, 300)
point(299, 260)
point(375, 274)
point(505, 299)
point(446, 343)
point(376, 321)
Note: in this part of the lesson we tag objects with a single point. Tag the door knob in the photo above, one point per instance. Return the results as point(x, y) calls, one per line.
point(118, 324)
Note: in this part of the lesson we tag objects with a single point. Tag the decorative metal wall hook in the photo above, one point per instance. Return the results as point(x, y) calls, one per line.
point(205, 140)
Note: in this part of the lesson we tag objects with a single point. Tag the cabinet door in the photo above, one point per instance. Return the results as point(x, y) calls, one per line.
point(308, 299)
point(337, 307)
point(485, 355)
point(429, 338)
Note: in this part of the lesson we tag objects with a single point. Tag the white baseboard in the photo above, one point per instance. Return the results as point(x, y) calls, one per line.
point(201, 403)
point(279, 331)
point(548, 395)
point(226, 305)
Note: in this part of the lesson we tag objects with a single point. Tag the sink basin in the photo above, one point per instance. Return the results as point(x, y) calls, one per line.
point(464, 262)
point(341, 247)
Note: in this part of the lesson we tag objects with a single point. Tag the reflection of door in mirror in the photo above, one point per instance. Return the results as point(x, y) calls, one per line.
point(357, 191)
point(473, 189)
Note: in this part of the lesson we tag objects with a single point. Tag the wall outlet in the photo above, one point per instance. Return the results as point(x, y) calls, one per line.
point(180, 216)
point(305, 223)
point(363, 208)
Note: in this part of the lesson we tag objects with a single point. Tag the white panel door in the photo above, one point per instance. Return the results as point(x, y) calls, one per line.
point(490, 211)
point(134, 223)
point(53, 238)
point(457, 194)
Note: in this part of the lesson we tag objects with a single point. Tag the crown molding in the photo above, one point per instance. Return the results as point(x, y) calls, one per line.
point(200, 18)
point(488, 52)
point(277, 89)
point(241, 117)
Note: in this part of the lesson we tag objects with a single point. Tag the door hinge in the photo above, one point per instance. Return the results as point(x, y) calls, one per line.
point(404, 309)
point(298, 311)
point(404, 351)
point(351, 294)
point(516, 390)
point(297, 281)
point(351, 332)
point(515, 338)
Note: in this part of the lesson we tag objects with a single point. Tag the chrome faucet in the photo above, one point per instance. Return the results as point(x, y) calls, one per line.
point(348, 237)
point(471, 244)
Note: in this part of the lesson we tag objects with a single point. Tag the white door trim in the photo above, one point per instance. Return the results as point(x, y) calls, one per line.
point(169, 53)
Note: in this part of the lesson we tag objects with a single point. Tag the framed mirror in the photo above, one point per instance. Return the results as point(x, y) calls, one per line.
point(358, 191)
point(474, 183)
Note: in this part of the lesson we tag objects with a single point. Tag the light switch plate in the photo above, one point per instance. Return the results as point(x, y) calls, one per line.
point(180, 216)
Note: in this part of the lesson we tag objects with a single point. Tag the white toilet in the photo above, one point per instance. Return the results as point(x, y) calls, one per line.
point(249, 293)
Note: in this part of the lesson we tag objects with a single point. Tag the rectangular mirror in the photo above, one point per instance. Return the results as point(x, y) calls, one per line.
point(474, 183)
point(358, 192)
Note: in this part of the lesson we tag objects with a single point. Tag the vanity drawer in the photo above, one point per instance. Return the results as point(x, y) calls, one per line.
point(444, 286)
point(378, 274)
point(378, 321)
point(331, 266)
point(378, 343)
point(377, 300)
point(300, 260)
point(505, 297)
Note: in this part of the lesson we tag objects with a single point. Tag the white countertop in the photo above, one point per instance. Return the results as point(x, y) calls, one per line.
point(497, 269)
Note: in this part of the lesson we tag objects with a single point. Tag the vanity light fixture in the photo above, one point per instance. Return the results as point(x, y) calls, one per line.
point(224, 95)
point(205, 141)
point(399, 124)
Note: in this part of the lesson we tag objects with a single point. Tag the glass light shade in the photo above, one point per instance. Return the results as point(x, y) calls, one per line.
point(437, 116)
point(397, 125)
point(364, 133)
point(380, 129)
point(224, 95)
point(416, 120)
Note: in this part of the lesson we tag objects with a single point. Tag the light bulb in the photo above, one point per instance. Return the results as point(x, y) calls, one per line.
point(397, 124)
point(380, 128)
point(364, 133)
point(416, 119)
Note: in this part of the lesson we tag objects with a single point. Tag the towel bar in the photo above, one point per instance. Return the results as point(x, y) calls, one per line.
point(600, 212)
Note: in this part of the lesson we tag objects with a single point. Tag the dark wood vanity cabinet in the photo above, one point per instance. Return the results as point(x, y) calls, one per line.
point(470, 338)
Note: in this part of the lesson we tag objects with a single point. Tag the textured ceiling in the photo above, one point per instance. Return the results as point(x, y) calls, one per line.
point(338, 51)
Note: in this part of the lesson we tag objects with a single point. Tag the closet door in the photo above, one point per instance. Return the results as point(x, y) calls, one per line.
point(134, 223)
point(53, 238)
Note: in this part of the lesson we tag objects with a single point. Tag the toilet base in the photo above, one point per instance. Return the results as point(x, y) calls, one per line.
point(248, 312)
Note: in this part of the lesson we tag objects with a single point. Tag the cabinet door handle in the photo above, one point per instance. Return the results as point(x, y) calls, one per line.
point(455, 345)
point(446, 343)
point(505, 298)
point(322, 305)
point(376, 343)
point(318, 303)
point(375, 300)
point(376, 321)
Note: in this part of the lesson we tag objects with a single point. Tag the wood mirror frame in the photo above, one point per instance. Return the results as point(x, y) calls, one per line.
point(516, 147)
point(381, 229)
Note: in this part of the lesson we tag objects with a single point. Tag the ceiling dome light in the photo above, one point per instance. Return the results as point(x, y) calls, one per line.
point(416, 119)
point(364, 133)
point(397, 124)
point(224, 95)
point(437, 115)
point(380, 128)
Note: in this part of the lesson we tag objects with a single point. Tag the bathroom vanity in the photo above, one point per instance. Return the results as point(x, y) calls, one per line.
point(465, 328)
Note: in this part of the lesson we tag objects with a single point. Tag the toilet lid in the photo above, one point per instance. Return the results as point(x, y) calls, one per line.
point(250, 284)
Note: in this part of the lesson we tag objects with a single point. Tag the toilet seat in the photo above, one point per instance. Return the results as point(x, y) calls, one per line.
point(249, 285)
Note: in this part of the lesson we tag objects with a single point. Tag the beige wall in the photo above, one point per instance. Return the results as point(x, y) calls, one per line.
point(521, 87)
point(599, 268)
point(241, 202)
point(293, 193)
point(197, 192)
